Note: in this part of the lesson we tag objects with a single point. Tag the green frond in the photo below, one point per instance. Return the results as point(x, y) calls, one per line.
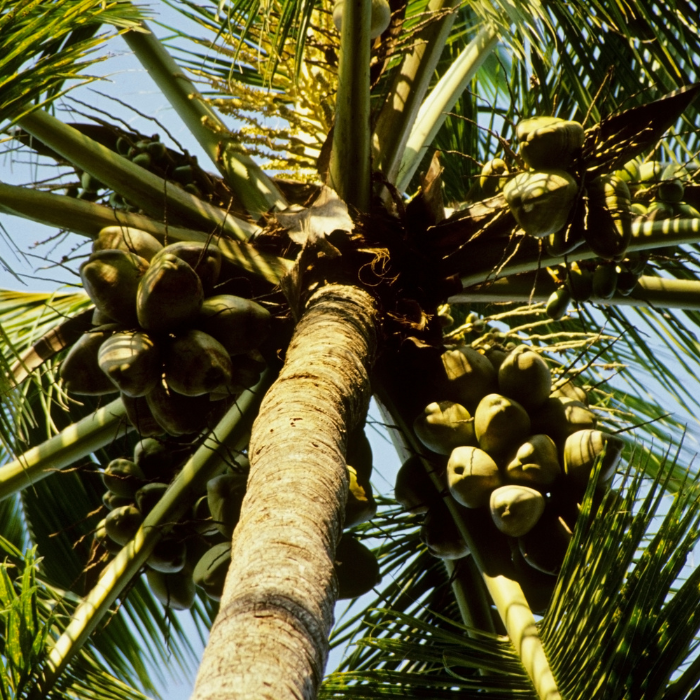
point(44, 45)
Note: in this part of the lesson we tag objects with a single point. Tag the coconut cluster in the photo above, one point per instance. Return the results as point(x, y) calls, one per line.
point(656, 192)
point(162, 337)
point(517, 447)
point(196, 553)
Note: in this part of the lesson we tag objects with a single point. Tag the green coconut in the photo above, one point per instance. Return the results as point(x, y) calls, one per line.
point(203, 258)
point(471, 476)
point(516, 509)
point(111, 279)
point(225, 496)
point(558, 303)
point(579, 282)
point(525, 377)
point(580, 452)
point(568, 390)
point(609, 223)
point(169, 295)
point(240, 325)
point(148, 496)
point(131, 361)
point(178, 414)
point(103, 539)
point(413, 489)
point(360, 506)
point(195, 363)
point(443, 426)
point(467, 377)
point(168, 556)
point(210, 572)
point(140, 416)
point(544, 546)
point(560, 417)
point(440, 534)
point(99, 318)
point(380, 16)
point(80, 370)
point(493, 176)
point(356, 567)
point(359, 454)
point(111, 501)
point(175, 591)
point(123, 477)
point(202, 520)
point(605, 281)
point(500, 424)
point(161, 458)
point(541, 201)
point(123, 523)
point(535, 463)
point(130, 240)
point(549, 142)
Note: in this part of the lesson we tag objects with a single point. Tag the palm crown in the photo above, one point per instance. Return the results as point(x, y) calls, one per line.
point(376, 173)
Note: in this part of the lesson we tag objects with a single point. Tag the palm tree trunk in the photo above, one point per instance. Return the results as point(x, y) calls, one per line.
point(270, 639)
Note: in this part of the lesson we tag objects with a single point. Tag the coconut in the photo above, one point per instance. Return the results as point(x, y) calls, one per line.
point(210, 572)
point(440, 534)
point(549, 142)
point(176, 591)
point(203, 258)
point(111, 501)
point(103, 539)
point(535, 463)
point(544, 546)
point(495, 356)
point(178, 414)
point(443, 426)
point(148, 496)
point(123, 477)
point(380, 16)
point(123, 523)
point(360, 506)
point(568, 390)
point(111, 279)
point(516, 509)
point(540, 201)
point(225, 496)
point(159, 459)
point(560, 417)
point(525, 377)
point(168, 556)
point(132, 362)
point(468, 376)
point(356, 567)
point(201, 515)
point(196, 364)
point(471, 476)
point(359, 454)
point(500, 424)
point(130, 240)
point(580, 452)
point(605, 281)
point(80, 371)
point(99, 318)
point(140, 416)
point(240, 325)
point(413, 489)
point(169, 295)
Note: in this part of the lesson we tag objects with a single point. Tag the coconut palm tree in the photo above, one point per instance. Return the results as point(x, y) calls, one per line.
point(372, 229)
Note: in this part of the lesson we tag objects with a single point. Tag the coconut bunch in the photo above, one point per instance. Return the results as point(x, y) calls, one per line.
point(174, 349)
point(149, 153)
point(658, 189)
point(544, 197)
point(583, 280)
point(196, 553)
point(518, 449)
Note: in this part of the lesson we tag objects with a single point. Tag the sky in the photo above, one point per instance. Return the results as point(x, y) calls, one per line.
point(127, 81)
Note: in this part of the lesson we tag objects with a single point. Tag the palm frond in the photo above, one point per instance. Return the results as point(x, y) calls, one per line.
point(43, 46)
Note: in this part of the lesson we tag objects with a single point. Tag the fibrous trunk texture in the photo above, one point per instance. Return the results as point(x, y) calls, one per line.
point(270, 639)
